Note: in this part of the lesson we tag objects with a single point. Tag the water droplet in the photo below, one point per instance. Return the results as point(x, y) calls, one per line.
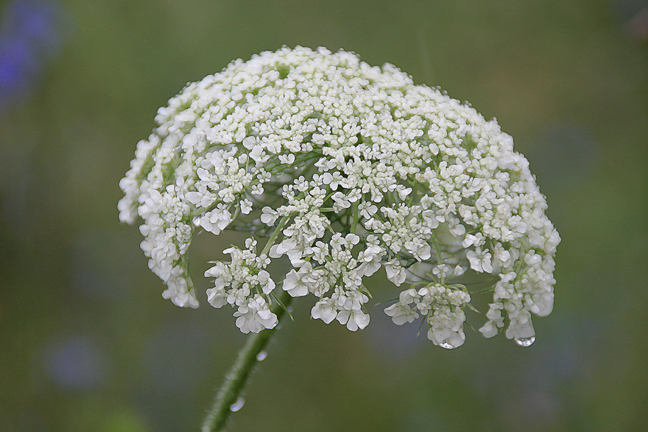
point(236, 406)
point(278, 326)
point(289, 309)
point(446, 345)
point(262, 355)
point(525, 342)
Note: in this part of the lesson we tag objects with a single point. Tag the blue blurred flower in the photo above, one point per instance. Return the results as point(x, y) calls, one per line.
point(75, 363)
point(30, 36)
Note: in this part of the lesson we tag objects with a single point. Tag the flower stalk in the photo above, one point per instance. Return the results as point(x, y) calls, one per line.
point(241, 370)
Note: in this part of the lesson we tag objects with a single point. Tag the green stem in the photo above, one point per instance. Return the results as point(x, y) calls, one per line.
point(354, 224)
point(275, 234)
point(437, 249)
point(238, 375)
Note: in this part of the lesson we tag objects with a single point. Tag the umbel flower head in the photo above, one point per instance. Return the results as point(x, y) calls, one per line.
point(341, 169)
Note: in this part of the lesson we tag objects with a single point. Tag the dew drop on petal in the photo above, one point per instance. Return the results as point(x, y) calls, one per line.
point(446, 345)
point(525, 342)
point(236, 406)
point(262, 355)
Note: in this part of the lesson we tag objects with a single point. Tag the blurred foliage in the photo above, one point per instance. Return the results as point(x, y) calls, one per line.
point(87, 342)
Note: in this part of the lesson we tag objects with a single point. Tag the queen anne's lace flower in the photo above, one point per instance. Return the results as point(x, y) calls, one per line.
point(344, 168)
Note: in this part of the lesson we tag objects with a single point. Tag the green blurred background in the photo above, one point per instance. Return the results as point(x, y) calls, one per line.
point(88, 344)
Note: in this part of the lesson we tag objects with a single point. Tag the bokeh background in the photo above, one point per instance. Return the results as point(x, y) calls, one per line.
point(88, 344)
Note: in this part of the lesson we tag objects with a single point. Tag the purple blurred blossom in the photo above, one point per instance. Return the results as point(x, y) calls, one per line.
point(31, 34)
point(75, 363)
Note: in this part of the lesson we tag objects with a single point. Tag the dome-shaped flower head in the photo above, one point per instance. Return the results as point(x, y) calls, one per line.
point(341, 169)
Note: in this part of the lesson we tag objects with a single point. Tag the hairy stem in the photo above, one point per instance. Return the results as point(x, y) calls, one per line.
point(240, 371)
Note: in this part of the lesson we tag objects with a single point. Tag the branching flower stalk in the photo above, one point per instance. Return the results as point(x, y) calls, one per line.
point(341, 169)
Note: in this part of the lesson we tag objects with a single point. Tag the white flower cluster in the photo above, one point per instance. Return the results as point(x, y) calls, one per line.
point(242, 283)
point(345, 169)
point(443, 307)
